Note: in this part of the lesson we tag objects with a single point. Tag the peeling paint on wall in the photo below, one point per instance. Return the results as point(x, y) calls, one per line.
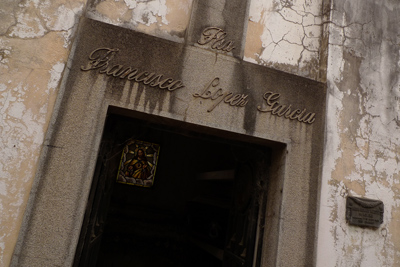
point(35, 37)
point(167, 19)
point(285, 34)
point(363, 137)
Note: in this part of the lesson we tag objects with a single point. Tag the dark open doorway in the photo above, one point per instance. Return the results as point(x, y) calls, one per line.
point(206, 207)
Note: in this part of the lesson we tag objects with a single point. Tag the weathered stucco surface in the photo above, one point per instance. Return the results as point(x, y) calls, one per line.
point(363, 140)
point(363, 137)
point(35, 39)
point(162, 18)
point(286, 35)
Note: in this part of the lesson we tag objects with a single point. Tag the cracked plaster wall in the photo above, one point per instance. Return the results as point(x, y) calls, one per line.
point(166, 19)
point(286, 35)
point(362, 147)
point(363, 133)
point(35, 40)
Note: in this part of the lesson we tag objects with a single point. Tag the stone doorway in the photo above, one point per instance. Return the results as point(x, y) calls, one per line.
point(206, 207)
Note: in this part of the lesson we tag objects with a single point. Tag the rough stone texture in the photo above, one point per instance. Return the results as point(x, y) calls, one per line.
point(286, 35)
point(363, 137)
point(35, 40)
point(72, 146)
point(362, 146)
point(167, 19)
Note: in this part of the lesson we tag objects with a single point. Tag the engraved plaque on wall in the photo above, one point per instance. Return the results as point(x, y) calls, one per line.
point(364, 212)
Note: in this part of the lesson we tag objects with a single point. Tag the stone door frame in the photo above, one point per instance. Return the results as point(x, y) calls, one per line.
point(56, 207)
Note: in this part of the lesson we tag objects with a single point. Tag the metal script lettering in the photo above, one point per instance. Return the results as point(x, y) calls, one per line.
point(216, 38)
point(100, 59)
point(286, 111)
point(219, 95)
point(364, 211)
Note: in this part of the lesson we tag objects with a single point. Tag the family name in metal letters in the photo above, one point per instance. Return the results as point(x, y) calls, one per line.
point(219, 95)
point(287, 111)
point(100, 58)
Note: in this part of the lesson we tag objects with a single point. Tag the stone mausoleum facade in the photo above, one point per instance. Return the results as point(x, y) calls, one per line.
point(199, 133)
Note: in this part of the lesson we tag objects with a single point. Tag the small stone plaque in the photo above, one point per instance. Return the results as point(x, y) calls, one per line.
point(364, 212)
